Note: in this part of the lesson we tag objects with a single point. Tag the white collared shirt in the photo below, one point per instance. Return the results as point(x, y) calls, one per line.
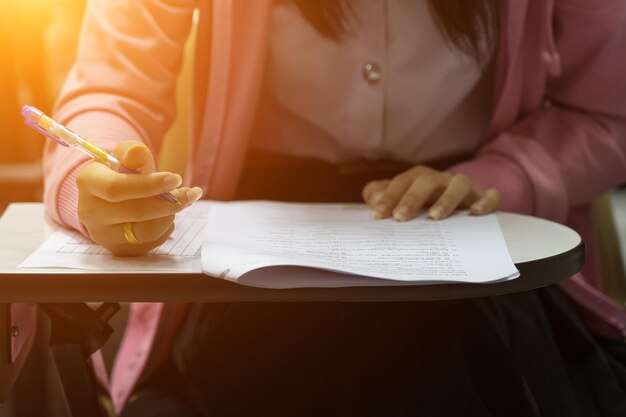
point(392, 88)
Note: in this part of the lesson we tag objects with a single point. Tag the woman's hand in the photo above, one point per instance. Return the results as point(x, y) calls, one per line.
point(107, 200)
point(406, 194)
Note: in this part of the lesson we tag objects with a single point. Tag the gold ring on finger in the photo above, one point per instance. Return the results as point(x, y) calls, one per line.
point(129, 234)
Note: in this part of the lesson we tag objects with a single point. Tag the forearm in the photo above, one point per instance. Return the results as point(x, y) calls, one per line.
point(120, 88)
point(549, 162)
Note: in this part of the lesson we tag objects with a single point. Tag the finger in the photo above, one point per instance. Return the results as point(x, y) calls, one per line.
point(392, 195)
point(99, 181)
point(457, 190)
point(416, 196)
point(135, 155)
point(139, 210)
point(127, 249)
point(488, 203)
point(373, 191)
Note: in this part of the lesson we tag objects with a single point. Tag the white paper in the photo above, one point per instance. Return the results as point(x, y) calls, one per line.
point(279, 245)
point(275, 244)
point(180, 253)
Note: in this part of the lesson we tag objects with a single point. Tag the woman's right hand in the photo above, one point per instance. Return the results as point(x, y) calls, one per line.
point(107, 200)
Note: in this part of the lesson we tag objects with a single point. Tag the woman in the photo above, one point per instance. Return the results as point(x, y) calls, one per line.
point(414, 104)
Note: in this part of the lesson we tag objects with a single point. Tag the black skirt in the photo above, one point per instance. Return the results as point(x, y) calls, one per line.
point(525, 354)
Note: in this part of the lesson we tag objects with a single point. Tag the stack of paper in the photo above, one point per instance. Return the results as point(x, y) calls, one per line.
point(280, 245)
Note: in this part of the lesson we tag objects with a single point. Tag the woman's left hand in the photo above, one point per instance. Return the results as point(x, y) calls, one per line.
point(406, 194)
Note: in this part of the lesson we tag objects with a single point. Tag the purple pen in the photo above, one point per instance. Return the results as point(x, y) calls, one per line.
point(43, 124)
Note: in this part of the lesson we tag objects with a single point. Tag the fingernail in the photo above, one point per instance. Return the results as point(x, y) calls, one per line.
point(379, 211)
point(401, 213)
point(194, 194)
point(435, 212)
point(172, 181)
point(477, 209)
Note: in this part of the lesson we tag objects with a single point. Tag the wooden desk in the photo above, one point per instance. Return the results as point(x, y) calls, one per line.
point(545, 253)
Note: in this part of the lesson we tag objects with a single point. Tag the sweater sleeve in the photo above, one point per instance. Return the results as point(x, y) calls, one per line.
point(564, 154)
point(121, 87)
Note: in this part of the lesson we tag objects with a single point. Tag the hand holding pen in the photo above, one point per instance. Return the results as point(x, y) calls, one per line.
point(127, 214)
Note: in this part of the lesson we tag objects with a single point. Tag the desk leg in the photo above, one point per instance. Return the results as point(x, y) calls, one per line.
point(17, 332)
point(77, 381)
point(7, 372)
point(76, 332)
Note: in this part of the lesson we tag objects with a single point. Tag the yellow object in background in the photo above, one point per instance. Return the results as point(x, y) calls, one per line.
point(38, 41)
point(175, 151)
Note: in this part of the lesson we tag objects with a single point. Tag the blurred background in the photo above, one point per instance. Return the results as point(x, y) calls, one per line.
point(37, 45)
point(38, 41)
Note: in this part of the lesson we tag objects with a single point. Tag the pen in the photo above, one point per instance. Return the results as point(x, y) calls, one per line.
point(43, 124)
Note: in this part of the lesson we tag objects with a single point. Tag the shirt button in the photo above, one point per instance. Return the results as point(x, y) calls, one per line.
point(372, 72)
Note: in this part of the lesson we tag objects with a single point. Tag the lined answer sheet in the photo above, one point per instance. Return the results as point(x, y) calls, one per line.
point(281, 245)
point(249, 243)
point(181, 252)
